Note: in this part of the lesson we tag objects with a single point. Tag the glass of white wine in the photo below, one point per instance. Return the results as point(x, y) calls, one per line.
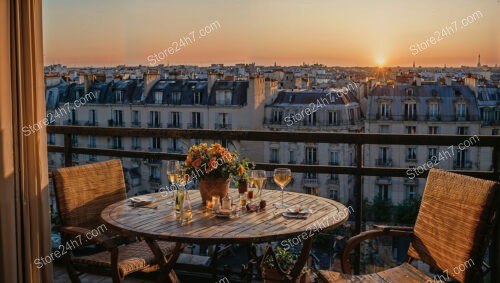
point(282, 177)
point(259, 179)
point(174, 169)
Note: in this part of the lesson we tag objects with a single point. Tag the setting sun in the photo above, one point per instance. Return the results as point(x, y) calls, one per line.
point(380, 61)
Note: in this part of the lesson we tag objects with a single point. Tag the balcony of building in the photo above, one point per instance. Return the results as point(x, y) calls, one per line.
point(91, 123)
point(195, 126)
point(462, 165)
point(383, 180)
point(70, 122)
point(383, 162)
point(358, 171)
point(174, 125)
point(223, 126)
point(135, 124)
point(115, 123)
point(155, 125)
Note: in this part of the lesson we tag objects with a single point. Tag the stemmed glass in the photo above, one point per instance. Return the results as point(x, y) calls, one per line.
point(174, 175)
point(282, 176)
point(259, 179)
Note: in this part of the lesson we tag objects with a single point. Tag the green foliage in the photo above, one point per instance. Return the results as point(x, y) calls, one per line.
point(380, 209)
point(284, 258)
point(406, 212)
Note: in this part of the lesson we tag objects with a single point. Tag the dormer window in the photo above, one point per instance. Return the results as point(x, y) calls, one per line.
point(176, 97)
point(277, 117)
point(385, 110)
point(433, 111)
point(158, 97)
point(461, 110)
point(197, 98)
point(223, 97)
point(119, 96)
point(410, 111)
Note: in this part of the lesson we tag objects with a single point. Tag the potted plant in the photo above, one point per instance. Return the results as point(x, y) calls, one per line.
point(240, 176)
point(212, 166)
point(274, 267)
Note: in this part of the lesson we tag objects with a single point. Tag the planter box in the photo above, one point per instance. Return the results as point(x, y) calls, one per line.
point(273, 276)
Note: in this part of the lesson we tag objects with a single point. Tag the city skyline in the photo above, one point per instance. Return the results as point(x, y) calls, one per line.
point(362, 34)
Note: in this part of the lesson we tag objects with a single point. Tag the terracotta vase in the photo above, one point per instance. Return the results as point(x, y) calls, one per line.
point(213, 187)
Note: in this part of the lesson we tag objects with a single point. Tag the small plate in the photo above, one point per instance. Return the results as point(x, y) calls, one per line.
point(141, 200)
point(298, 210)
point(222, 215)
point(295, 215)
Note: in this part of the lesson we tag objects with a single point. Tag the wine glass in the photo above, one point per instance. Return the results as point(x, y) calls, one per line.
point(174, 176)
point(259, 178)
point(282, 176)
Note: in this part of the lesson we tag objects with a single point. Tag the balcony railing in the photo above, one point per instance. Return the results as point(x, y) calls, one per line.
point(115, 123)
point(173, 149)
point(174, 125)
point(154, 125)
point(384, 180)
point(72, 122)
point(411, 158)
point(410, 117)
point(135, 123)
point(462, 165)
point(358, 140)
point(223, 126)
point(91, 123)
point(311, 124)
point(195, 126)
point(153, 161)
point(383, 162)
point(443, 118)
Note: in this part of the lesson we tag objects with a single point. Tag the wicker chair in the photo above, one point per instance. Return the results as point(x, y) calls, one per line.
point(82, 192)
point(452, 231)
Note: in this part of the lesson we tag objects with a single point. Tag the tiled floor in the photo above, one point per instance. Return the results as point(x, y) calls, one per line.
point(61, 276)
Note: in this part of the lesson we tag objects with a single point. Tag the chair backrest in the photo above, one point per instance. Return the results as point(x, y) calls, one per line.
point(454, 223)
point(82, 192)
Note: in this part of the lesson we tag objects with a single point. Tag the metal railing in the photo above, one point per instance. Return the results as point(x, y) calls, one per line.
point(359, 140)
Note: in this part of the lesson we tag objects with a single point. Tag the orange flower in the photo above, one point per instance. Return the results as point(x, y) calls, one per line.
point(196, 163)
point(241, 170)
point(213, 163)
point(189, 159)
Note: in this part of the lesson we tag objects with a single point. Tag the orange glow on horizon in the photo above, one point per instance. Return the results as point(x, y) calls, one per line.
point(364, 33)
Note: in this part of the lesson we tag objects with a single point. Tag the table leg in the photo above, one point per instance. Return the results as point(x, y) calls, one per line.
point(215, 257)
point(302, 260)
point(167, 274)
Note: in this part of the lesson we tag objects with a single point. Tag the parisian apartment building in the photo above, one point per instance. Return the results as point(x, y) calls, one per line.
point(280, 100)
point(434, 108)
point(217, 103)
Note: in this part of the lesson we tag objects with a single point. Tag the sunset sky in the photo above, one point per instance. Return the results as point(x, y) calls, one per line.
point(336, 33)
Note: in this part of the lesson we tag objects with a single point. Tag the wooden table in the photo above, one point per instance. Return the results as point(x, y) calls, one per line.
point(267, 225)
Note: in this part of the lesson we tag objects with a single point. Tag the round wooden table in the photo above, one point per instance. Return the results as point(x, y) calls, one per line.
point(158, 222)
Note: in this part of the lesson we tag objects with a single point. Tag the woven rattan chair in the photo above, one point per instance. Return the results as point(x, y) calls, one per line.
point(452, 231)
point(82, 192)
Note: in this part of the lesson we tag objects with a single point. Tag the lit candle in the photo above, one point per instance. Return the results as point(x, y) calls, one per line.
point(216, 203)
